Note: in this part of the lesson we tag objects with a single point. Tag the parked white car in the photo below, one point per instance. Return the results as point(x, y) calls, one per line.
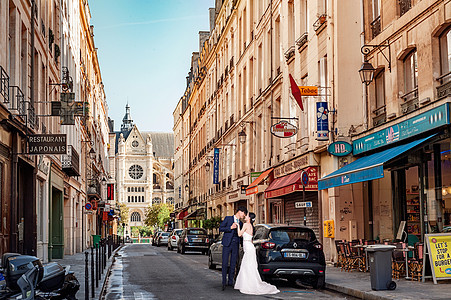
point(173, 238)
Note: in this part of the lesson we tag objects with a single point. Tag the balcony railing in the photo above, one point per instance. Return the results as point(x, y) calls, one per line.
point(444, 90)
point(404, 6)
point(320, 23)
point(71, 162)
point(376, 26)
point(4, 85)
point(300, 42)
point(380, 116)
point(411, 102)
point(289, 53)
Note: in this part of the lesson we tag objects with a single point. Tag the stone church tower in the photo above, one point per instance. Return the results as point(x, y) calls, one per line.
point(142, 164)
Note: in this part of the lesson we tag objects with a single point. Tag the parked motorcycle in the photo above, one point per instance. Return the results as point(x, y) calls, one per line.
point(26, 278)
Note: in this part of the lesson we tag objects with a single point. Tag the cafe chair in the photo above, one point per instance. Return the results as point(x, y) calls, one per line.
point(399, 261)
point(356, 257)
point(416, 262)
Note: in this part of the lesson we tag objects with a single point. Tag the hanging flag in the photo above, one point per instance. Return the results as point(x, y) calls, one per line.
point(296, 92)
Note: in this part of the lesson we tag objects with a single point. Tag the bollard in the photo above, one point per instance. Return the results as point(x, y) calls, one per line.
point(101, 259)
point(86, 276)
point(104, 253)
point(97, 265)
point(92, 274)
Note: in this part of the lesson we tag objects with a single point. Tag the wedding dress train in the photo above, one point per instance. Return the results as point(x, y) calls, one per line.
point(248, 280)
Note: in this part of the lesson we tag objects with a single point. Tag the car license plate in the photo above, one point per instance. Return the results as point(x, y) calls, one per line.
point(197, 240)
point(294, 254)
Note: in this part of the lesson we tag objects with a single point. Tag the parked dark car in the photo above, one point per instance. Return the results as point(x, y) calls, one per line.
point(215, 254)
point(193, 239)
point(290, 252)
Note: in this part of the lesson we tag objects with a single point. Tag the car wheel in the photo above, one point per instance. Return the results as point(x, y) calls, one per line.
point(318, 283)
point(211, 265)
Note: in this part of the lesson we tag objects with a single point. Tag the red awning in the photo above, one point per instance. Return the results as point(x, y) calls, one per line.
point(292, 183)
point(182, 214)
point(252, 188)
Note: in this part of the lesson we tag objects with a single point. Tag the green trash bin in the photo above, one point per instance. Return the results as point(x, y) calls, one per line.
point(96, 239)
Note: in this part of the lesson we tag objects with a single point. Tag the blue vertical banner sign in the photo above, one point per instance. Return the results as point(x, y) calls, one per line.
point(322, 121)
point(216, 166)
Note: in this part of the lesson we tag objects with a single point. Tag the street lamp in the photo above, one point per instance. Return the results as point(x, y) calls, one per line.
point(367, 73)
point(92, 153)
point(186, 188)
point(207, 167)
point(242, 136)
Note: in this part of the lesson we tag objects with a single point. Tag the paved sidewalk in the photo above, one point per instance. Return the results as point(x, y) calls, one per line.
point(357, 284)
point(77, 265)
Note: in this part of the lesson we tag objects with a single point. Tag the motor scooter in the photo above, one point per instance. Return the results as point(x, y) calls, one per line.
point(26, 278)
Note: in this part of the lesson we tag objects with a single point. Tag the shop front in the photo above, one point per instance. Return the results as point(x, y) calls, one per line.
point(290, 200)
point(401, 184)
point(256, 193)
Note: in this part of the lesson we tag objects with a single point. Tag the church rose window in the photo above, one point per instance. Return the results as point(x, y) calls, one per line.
point(135, 171)
point(135, 144)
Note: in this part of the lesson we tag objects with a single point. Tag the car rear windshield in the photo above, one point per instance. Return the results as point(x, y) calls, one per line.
point(197, 231)
point(287, 235)
point(165, 234)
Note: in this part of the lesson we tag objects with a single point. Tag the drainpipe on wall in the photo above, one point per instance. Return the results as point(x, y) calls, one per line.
point(364, 88)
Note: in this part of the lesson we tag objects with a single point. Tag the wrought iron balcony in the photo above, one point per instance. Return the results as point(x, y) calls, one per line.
point(71, 162)
point(300, 42)
point(320, 23)
point(376, 26)
point(444, 90)
point(4, 85)
point(411, 102)
point(289, 53)
point(380, 116)
point(404, 6)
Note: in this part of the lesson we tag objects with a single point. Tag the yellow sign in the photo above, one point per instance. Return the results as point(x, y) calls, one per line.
point(309, 90)
point(329, 229)
point(439, 249)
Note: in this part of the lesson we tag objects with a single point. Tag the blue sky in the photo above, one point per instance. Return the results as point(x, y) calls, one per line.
point(144, 49)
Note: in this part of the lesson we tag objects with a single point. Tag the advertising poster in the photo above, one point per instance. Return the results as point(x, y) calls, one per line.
point(216, 166)
point(439, 249)
point(322, 121)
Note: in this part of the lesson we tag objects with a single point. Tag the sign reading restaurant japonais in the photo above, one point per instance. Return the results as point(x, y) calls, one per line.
point(47, 144)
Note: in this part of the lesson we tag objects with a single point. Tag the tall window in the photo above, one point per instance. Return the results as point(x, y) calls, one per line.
point(304, 17)
point(135, 217)
point(376, 8)
point(379, 82)
point(411, 72)
point(445, 55)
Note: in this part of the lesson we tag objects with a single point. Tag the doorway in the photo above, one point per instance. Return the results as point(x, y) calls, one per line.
point(56, 250)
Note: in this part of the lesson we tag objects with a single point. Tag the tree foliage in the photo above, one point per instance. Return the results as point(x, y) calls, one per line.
point(157, 215)
point(212, 223)
point(123, 214)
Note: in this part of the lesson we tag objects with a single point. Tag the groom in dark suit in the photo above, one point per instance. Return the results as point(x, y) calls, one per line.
point(230, 244)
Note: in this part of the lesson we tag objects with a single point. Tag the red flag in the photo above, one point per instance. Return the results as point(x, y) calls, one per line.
point(296, 92)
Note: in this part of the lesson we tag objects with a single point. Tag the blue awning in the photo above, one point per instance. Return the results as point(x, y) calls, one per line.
point(366, 168)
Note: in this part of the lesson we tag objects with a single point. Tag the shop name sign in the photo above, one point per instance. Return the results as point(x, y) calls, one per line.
point(283, 129)
point(47, 144)
point(434, 118)
point(292, 166)
point(308, 90)
point(340, 148)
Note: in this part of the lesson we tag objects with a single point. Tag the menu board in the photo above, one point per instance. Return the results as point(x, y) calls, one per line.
point(438, 246)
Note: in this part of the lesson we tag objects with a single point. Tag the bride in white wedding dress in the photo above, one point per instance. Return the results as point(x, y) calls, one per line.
point(248, 280)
